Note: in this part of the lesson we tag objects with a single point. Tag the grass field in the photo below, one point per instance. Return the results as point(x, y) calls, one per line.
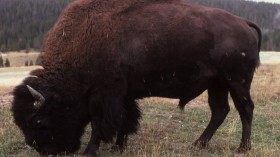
point(166, 131)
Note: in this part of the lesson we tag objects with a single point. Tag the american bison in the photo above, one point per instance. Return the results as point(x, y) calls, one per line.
point(101, 55)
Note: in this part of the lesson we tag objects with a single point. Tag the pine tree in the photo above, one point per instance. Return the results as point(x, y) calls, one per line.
point(7, 63)
point(27, 48)
point(31, 63)
point(1, 62)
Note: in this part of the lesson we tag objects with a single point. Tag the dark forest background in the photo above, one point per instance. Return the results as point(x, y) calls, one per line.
point(23, 23)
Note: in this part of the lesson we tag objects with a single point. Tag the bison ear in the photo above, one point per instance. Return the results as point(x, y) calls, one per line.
point(39, 99)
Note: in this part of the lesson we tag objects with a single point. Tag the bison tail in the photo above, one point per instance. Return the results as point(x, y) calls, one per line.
point(253, 25)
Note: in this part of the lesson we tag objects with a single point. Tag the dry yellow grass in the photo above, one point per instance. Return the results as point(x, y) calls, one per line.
point(18, 59)
point(266, 83)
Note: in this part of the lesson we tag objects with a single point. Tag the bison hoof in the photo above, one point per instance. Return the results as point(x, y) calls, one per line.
point(200, 144)
point(244, 148)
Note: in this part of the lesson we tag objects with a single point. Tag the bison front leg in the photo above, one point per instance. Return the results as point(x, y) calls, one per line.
point(107, 112)
point(121, 142)
point(130, 125)
point(93, 144)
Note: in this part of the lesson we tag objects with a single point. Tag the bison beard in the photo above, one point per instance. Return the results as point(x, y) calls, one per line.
point(102, 55)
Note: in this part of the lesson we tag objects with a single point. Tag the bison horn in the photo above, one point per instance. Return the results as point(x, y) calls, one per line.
point(38, 97)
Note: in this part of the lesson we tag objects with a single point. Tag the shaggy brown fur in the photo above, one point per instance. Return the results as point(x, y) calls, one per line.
point(101, 55)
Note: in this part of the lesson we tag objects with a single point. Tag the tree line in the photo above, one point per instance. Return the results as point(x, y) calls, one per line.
point(23, 23)
point(3, 63)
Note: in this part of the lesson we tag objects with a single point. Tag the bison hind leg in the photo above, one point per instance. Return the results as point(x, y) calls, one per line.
point(218, 102)
point(245, 106)
point(130, 124)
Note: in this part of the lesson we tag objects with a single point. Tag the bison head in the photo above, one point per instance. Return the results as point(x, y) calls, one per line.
point(49, 119)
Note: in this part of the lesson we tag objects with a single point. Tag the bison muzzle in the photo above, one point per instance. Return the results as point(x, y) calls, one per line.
point(102, 55)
